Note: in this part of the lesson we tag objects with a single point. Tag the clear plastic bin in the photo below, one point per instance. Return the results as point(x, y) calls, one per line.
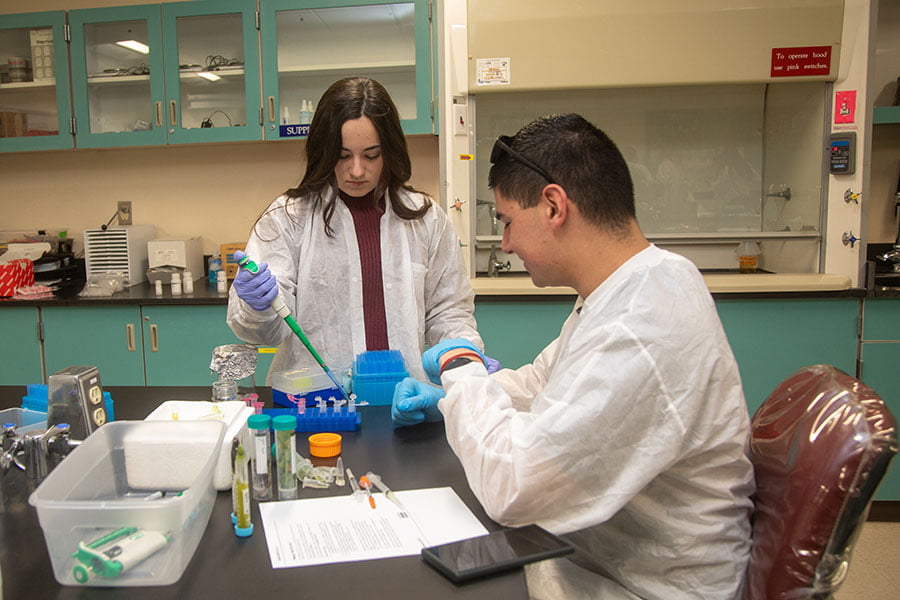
point(141, 491)
point(25, 420)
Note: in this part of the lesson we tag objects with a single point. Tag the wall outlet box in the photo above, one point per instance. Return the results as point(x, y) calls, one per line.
point(124, 212)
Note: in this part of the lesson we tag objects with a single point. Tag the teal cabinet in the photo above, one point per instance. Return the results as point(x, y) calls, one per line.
point(37, 109)
point(212, 71)
point(770, 338)
point(117, 76)
point(879, 360)
point(107, 337)
point(179, 342)
point(308, 46)
point(773, 338)
point(171, 73)
point(515, 332)
point(20, 352)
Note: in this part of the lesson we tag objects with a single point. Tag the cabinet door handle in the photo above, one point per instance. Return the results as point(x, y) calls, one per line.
point(154, 338)
point(158, 113)
point(173, 114)
point(271, 105)
point(129, 337)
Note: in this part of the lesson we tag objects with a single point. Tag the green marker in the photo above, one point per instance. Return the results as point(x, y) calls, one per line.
point(279, 306)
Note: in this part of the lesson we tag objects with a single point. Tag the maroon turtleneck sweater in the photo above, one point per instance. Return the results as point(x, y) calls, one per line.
point(367, 214)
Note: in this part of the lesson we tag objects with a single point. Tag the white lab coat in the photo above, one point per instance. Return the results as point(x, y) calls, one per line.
point(628, 434)
point(427, 294)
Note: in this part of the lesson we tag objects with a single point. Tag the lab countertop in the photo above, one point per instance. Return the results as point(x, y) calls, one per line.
point(225, 566)
point(720, 284)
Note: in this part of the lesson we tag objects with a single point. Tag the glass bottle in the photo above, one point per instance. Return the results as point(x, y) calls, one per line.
point(285, 427)
point(261, 450)
point(224, 390)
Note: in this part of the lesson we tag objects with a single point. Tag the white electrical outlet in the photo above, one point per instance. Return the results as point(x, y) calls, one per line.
point(124, 214)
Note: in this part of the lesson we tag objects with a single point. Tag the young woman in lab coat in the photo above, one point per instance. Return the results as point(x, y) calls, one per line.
point(363, 261)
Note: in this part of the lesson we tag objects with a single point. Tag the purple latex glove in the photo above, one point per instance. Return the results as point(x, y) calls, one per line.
point(256, 289)
point(492, 364)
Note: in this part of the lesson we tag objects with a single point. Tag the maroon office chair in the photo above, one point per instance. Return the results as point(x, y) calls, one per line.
point(820, 444)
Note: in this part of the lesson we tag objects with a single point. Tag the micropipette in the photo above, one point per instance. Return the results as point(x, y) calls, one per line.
point(279, 306)
point(388, 493)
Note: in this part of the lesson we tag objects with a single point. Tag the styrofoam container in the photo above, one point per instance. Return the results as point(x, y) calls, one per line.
point(234, 413)
point(123, 476)
point(25, 420)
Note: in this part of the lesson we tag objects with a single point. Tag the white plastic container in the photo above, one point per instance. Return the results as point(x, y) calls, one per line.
point(122, 477)
point(233, 413)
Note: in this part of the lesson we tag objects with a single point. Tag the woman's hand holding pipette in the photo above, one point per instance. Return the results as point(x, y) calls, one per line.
point(258, 289)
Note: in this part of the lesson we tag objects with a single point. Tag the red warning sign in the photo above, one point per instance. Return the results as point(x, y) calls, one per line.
point(801, 62)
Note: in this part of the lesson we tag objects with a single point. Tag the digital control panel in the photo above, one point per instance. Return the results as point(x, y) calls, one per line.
point(842, 156)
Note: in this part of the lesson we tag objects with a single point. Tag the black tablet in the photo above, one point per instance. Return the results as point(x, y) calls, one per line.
point(495, 552)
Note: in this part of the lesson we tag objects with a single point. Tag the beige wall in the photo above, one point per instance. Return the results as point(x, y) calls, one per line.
point(212, 191)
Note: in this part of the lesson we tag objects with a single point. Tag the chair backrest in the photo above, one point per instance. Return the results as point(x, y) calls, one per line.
point(820, 444)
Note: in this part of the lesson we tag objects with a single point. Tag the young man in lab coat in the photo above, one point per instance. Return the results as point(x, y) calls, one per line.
point(627, 434)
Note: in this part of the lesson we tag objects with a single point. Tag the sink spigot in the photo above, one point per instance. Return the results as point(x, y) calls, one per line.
point(495, 265)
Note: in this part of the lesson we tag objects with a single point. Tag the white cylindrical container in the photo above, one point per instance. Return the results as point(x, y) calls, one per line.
point(176, 284)
point(158, 287)
point(221, 285)
point(17, 69)
point(261, 450)
point(188, 282)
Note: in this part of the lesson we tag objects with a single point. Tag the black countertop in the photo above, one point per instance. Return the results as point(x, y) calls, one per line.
point(225, 566)
point(205, 294)
point(143, 293)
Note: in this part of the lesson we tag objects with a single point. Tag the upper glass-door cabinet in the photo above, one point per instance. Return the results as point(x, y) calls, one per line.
point(35, 106)
point(305, 50)
point(212, 71)
point(172, 73)
point(117, 76)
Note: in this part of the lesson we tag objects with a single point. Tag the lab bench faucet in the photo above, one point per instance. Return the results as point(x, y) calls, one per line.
point(495, 265)
point(36, 452)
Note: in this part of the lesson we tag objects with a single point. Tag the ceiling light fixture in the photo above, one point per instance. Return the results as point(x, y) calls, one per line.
point(134, 45)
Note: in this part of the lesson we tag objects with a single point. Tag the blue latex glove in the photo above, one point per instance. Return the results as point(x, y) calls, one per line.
point(256, 289)
point(414, 402)
point(492, 364)
point(430, 359)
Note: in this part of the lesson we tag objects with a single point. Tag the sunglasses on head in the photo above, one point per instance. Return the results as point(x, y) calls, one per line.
point(502, 146)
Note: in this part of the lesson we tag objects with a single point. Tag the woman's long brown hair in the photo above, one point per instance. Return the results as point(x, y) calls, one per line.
point(345, 100)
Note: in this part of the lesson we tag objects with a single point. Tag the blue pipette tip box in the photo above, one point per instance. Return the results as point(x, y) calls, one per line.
point(317, 420)
point(375, 375)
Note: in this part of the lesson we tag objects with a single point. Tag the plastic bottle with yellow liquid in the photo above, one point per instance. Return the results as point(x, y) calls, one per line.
point(748, 257)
